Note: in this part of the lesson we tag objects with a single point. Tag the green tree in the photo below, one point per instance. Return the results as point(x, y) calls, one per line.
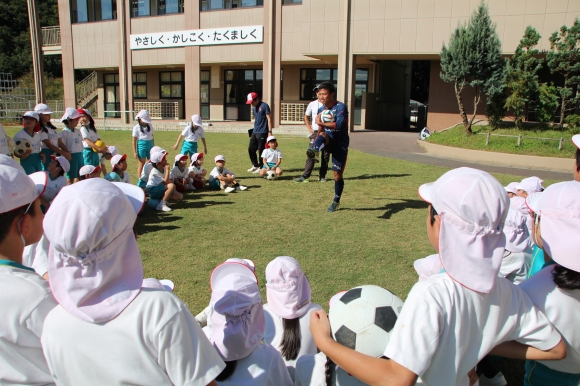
point(547, 103)
point(473, 58)
point(522, 75)
point(564, 58)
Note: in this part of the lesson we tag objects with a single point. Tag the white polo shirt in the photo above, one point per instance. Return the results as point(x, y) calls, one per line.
point(196, 170)
point(25, 301)
point(195, 136)
point(126, 177)
point(3, 141)
point(154, 341)
point(444, 329)
point(272, 155)
point(90, 135)
point(176, 173)
point(34, 140)
point(156, 177)
point(72, 139)
point(215, 173)
point(53, 187)
point(312, 112)
point(143, 135)
point(51, 135)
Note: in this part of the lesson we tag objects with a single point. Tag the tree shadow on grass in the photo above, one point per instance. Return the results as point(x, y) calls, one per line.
point(372, 176)
point(396, 207)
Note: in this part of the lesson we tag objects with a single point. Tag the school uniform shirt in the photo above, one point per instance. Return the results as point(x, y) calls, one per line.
point(73, 140)
point(196, 170)
point(143, 136)
point(154, 341)
point(272, 155)
point(445, 329)
point(275, 331)
point(4, 149)
point(263, 367)
point(34, 140)
point(176, 173)
point(216, 172)
point(311, 371)
point(156, 177)
point(53, 187)
point(562, 308)
point(195, 136)
point(90, 135)
point(52, 136)
point(312, 112)
point(146, 171)
point(126, 177)
point(25, 301)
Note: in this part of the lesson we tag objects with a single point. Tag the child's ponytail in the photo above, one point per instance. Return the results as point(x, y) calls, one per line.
point(92, 124)
point(329, 367)
point(141, 127)
point(290, 346)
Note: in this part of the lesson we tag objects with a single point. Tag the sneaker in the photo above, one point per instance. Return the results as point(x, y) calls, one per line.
point(256, 171)
point(162, 207)
point(253, 169)
point(241, 187)
point(497, 380)
point(333, 207)
point(229, 189)
point(312, 154)
point(301, 179)
point(322, 179)
point(191, 187)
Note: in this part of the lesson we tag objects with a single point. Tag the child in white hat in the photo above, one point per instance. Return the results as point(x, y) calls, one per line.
point(518, 248)
point(192, 134)
point(119, 166)
point(555, 290)
point(529, 185)
point(159, 186)
point(222, 178)
point(288, 311)
point(180, 174)
point(142, 181)
point(56, 180)
point(106, 326)
point(89, 171)
point(25, 297)
point(51, 139)
point(238, 328)
point(197, 171)
point(142, 139)
point(73, 141)
point(452, 320)
point(272, 157)
point(31, 160)
point(90, 139)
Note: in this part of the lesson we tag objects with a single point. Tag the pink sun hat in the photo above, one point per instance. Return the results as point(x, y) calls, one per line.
point(530, 185)
point(16, 187)
point(472, 206)
point(234, 265)
point(287, 288)
point(428, 266)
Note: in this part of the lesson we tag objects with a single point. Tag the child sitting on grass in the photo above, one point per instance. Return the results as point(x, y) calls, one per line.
point(89, 171)
point(222, 178)
point(57, 167)
point(197, 171)
point(272, 158)
point(142, 181)
point(180, 174)
point(119, 165)
point(159, 187)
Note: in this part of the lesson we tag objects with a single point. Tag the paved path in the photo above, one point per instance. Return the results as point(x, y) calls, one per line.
point(404, 146)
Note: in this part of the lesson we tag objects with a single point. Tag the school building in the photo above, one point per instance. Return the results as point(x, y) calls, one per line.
point(181, 57)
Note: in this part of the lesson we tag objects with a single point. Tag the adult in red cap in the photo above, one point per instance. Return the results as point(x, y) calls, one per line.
point(262, 129)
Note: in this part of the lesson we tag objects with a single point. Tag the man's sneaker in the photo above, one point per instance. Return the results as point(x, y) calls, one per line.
point(229, 189)
point(256, 171)
point(497, 380)
point(312, 154)
point(333, 207)
point(241, 187)
point(301, 179)
point(322, 179)
point(253, 169)
point(162, 206)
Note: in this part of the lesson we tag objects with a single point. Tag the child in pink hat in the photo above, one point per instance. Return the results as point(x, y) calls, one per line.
point(555, 290)
point(452, 320)
point(288, 310)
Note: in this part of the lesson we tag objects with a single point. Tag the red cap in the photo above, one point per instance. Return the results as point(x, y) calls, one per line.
point(251, 97)
point(81, 111)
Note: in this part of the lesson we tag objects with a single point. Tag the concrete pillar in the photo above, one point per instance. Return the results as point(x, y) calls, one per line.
point(192, 62)
point(125, 61)
point(272, 55)
point(346, 61)
point(68, 65)
point(36, 42)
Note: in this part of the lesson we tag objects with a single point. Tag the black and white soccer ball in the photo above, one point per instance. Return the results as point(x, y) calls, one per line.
point(21, 146)
point(270, 175)
point(363, 318)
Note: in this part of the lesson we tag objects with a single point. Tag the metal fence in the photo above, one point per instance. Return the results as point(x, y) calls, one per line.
point(520, 137)
point(50, 36)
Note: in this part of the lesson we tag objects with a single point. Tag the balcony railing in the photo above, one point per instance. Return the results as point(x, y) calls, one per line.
point(50, 36)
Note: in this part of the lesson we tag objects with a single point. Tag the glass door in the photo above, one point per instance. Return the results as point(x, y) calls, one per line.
point(112, 99)
point(238, 84)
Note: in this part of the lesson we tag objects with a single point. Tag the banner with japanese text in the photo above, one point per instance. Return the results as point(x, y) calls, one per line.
point(198, 37)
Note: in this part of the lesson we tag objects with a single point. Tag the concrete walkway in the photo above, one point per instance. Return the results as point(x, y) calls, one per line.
point(403, 146)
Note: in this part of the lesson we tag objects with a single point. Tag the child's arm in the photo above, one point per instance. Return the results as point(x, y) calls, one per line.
point(63, 147)
point(265, 163)
point(93, 146)
point(166, 178)
point(373, 371)
point(516, 350)
point(204, 145)
point(177, 143)
point(135, 147)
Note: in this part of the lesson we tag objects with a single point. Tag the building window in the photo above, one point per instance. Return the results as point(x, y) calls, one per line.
point(312, 77)
point(291, 2)
point(112, 100)
point(155, 7)
point(140, 85)
point(361, 85)
point(171, 84)
point(204, 94)
point(93, 10)
point(229, 4)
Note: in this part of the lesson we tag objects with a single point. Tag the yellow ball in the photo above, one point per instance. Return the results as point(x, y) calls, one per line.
point(100, 144)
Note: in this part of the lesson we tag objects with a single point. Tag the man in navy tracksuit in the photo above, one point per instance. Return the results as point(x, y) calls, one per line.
point(262, 129)
point(333, 137)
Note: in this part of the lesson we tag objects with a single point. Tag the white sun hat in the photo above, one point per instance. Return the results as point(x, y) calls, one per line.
point(70, 113)
point(287, 288)
point(18, 189)
point(144, 116)
point(43, 108)
point(196, 120)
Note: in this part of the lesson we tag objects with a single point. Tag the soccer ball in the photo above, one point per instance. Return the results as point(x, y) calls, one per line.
point(270, 175)
point(22, 146)
point(363, 318)
point(327, 116)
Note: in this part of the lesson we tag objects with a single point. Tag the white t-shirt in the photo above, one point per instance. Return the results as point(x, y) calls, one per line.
point(53, 187)
point(263, 367)
point(145, 135)
point(215, 172)
point(271, 155)
point(52, 136)
point(311, 371)
point(444, 329)
point(513, 266)
point(146, 171)
point(156, 177)
point(176, 173)
point(154, 341)
point(72, 139)
point(3, 141)
point(126, 177)
point(312, 112)
point(34, 140)
point(195, 136)
point(562, 308)
point(25, 300)
point(275, 331)
point(196, 170)
point(90, 135)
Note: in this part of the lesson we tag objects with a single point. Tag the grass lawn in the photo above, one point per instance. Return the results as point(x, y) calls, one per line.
point(456, 137)
point(373, 239)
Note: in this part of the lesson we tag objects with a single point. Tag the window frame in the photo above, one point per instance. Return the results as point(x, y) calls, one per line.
point(333, 71)
point(92, 10)
point(136, 83)
point(156, 10)
point(208, 103)
point(228, 4)
point(170, 83)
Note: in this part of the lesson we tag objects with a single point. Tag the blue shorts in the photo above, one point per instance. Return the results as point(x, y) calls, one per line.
point(339, 155)
point(156, 192)
point(76, 163)
point(189, 148)
point(270, 164)
point(32, 163)
point(90, 157)
point(214, 184)
point(538, 374)
point(142, 184)
point(144, 148)
point(47, 153)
